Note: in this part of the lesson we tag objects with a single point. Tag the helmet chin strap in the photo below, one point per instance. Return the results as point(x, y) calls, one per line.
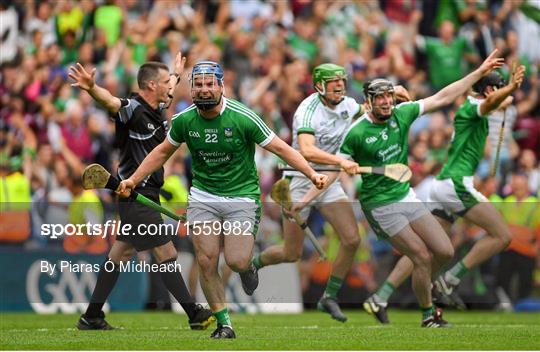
point(207, 105)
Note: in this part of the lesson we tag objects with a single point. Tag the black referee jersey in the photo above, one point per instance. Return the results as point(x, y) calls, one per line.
point(139, 129)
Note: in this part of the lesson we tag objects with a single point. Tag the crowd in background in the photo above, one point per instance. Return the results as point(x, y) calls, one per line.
point(49, 131)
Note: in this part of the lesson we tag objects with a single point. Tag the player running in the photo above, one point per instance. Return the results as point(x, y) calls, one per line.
point(140, 127)
point(452, 193)
point(319, 124)
point(392, 209)
point(223, 205)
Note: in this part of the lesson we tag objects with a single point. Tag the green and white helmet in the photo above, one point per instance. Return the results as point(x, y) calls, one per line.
point(325, 73)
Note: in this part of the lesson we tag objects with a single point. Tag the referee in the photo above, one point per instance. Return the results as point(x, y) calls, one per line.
point(140, 127)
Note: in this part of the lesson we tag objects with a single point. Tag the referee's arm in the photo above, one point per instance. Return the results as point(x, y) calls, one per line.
point(87, 81)
point(106, 99)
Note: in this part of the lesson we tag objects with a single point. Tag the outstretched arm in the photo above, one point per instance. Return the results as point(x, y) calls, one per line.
point(311, 152)
point(494, 99)
point(150, 164)
point(87, 81)
point(451, 92)
point(295, 159)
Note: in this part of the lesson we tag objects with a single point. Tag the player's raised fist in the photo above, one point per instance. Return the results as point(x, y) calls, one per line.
point(319, 180)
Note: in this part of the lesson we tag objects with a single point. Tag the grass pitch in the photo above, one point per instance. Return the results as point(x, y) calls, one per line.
point(307, 331)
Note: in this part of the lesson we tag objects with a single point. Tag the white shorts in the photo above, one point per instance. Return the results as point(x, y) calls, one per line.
point(232, 213)
point(453, 196)
point(388, 220)
point(300, 185)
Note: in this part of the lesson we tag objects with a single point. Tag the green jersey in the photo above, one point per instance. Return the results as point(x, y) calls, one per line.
point(222, 148)
point(372, 144)
point(468, 141)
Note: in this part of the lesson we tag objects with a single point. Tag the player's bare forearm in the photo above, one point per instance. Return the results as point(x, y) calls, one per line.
point(153, 161)
point(310, 151)
point(313, 192)
point(291, 156)
point(495, 98)
point(451, 92)
point(105, 98)
point(318, 156)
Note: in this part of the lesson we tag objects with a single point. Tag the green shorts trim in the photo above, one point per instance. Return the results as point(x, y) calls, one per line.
point(375, 225)
point(468, 199)
point(257, 221)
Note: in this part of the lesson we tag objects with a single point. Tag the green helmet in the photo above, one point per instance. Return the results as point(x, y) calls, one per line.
point(328, 72)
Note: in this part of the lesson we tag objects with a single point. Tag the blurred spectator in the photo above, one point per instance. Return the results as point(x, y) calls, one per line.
point(447, 55)
point(75, 132)
point(15, 204)
point(522, 212)
point(9, 32)
point(40, 23)
point(528, 164)
point(108, 17)
point(85, 208)
point(458, 11)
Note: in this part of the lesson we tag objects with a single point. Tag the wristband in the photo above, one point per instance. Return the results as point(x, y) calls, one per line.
point(177, 77)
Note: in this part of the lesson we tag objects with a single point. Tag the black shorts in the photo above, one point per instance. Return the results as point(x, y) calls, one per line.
point(144, 221)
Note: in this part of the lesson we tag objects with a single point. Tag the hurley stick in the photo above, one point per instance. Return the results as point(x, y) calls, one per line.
point(96, 176)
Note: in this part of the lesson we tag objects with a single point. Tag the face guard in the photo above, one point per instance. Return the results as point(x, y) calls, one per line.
point(375, 88)
point(206, 98)
point(493, 79)
point(326, 73)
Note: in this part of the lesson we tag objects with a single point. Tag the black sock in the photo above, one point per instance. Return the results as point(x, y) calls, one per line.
point(172, 278)
point(108, 274)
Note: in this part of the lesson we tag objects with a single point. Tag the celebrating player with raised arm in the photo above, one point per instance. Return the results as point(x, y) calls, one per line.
point(392, 209)
point(221, 135)
point(140, 126)
point(318, 128)
point(452, 193)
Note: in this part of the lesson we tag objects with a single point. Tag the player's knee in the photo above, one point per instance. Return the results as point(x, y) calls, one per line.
point(292, 255)
point(207, 264)
point(351, 243)
point(422, 257)
point(506, 237)
point(238, 264)
point(445, 255)
point(502, 234)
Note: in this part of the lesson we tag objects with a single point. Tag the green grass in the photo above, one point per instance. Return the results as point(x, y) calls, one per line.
point(308, 331)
